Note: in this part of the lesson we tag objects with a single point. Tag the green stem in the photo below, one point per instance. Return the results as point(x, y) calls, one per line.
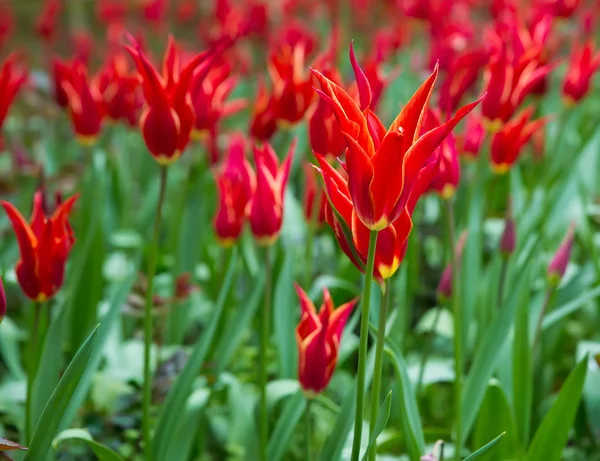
point(427, 350)
point(265, 323)
point(538, 329)
point(152, 264)
point(32, 364)
point(378, 370)
point(503, 273)
point(458, 333)
point(308, 430)
point(362, 350)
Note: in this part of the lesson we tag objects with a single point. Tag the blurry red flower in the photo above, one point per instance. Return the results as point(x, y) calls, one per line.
point(447, 176)
point(314, 197)
point(82, 44)
point(6, 23)
point(186, 11)
point(584, 63)
point(155, 11)
point(236, 183)
point(558, 8)
point(383, 165)
point(558, 265)
point(209, 97)
point(472, 137)
point(44, 245)
point(292, 89)
point(109, 11)
point(86, 106)
point(61, 73)
point(11, 79)
point(120, 90)
point(509, 141)
point(46, 22)
point(266, 206)
point(263, 123)
point(168, 117)
point(318, 336)
point(444, 288)
point(508, 241)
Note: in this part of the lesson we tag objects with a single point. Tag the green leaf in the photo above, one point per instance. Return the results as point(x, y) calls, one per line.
point(103, 452)
point(569, 308)
point(173, 406)
point(285, 427)
point(59, 401)
point(553, 433)
point(9, 347)
point(382, 419)
point(483, 450)
point(284, 318)
point(485, 360)
point(411, 419)
point(522, 373)
point(233, 336)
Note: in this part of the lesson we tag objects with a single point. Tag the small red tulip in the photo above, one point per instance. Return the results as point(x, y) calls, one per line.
point(86, 106)
point(444, 288)
point(168, 117)
point(447, 175)
point(560, 260)
point(46, 22)
point(509, 141)
point(266, 206)
point(508, 241)
point(44, 245)
point(120, 90)
point(11, 79)
point(318, 336)
point(383, 165)
point(472, 138)
point(6, 23)
point(236, 183)
point(263, 123)
point(61, 73)
point(314, 197)
point(584, 64)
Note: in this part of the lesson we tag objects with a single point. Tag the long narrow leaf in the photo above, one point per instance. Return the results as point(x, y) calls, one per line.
point(284, 318)
point(103, 452)
point(286, 425)
point(483, 450)
point(382, 420)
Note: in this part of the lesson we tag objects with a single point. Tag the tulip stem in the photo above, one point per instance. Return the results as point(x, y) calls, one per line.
point(148, 320)
point(538, 329)
point(458, 333)
point(378, 370)
point(362, 349)
point(32, 365)
point(308, 430)
point(265, 323)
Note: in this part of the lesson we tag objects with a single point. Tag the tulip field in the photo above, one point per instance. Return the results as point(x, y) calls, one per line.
point(300, 230)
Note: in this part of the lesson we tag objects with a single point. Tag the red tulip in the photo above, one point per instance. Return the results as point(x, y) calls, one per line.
point(292, 90)
point(263, 123)
point(383, 165)
point(447, 176)
point(6, 23)
point(11, 79)
point(314, 197)
point(209, 97)
point(46, 22)
point(318, 336)
point(472, 137)
point(509, 141)
point(120, 90)
point(236, 183)
point(584, 64)
point(86, 106)
point(560, 260)
point(444, 288)
point(44, 245)
point(168, 117)
point(508, 241)
point(61, 73)
point(266, 206)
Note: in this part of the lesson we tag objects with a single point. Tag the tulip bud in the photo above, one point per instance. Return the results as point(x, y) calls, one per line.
point(444, 288)
point(560, 260)
point(509, 236)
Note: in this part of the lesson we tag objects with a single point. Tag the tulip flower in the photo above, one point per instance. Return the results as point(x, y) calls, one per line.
point(44, 245)
point(318, 336)
point(508, 240)
point(509, 141)
point(472, 137)
point(263, 123)
point(292, 91)
point(559, 262)
point(209, 97)
point(266, 206)
point(46, 22)
point(119, 89)
point(383, 165)
point(168, 117)
point(462, 75)
point(61, 73)
point(314, 197)
point(236, 183)
point(11, 79)
point(447, 175)
point(444, 288)
point(584, 63)
point(7, 23)
point(86, 106)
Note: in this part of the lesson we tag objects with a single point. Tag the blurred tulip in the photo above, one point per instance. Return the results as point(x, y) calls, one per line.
point(383, 165)
point(318, 337)
point(11, 80)
point(558, 265)
point(236, 183)
point(508, 240)
point(263, 123)
point(186, 11)
point(444, 288)
point(111, 11)
point(86, 106)
point(447, 176)
point(61, 73)
point(509, 141)
point(47, 21)
point(473, 136)
point(584, 64)
point(314, 197)
point(168, 117)
point(120, 90)
point(155, 11)
point(44, 245)
point(6, 23)
point(266, 206)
